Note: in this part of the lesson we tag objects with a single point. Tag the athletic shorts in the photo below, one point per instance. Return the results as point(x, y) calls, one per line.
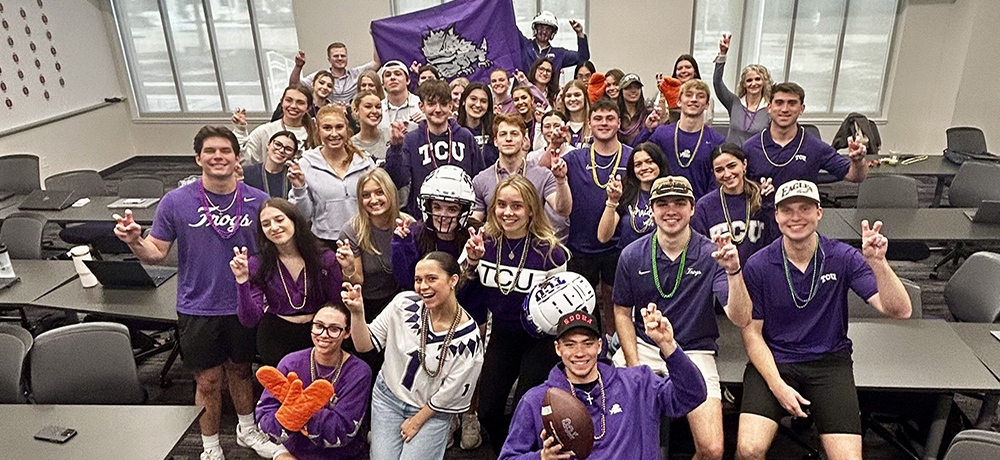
point(703, 359)
point(828, 383)
point(210, 341)
point(596, 267)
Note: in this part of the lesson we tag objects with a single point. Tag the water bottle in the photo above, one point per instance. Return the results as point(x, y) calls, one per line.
point(80, 254)
point(6, 269)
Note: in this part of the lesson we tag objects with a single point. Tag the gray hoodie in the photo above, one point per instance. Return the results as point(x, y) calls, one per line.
point(326, 199)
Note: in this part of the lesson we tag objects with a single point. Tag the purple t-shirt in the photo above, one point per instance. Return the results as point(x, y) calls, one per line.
point(205, 283)
point(802, 163)
point(804, 334)
point(692, 308)
point(710, 220)
point(589, 197)
point(697, 157)
point(635, 220)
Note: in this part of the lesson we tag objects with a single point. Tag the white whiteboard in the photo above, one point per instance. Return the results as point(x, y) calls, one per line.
point(55, 58)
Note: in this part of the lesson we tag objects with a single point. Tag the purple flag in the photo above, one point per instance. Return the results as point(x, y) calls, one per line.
point(462, 38)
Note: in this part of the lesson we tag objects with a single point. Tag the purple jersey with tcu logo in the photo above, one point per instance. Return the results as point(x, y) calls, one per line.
point(792, 162)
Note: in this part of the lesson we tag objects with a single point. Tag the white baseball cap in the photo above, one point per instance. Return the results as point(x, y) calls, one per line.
point(797, 188)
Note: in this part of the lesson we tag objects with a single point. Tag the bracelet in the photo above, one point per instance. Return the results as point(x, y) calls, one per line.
point(737, 272)
point(609, 204)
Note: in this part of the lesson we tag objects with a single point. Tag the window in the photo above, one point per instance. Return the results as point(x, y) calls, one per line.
point(524, 12)
point(206, 57)
point(838, 50)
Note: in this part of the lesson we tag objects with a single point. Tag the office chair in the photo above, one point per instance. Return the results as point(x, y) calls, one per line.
point(84, 182)
point(966, 139)
point(140, 187)
point(12, 354)
point(891, 191)
point(19, 173)
point(858, 308)
point(974, 182)
point(22, 233)
point(86, 363)
point(972, 294)
point(974, 445)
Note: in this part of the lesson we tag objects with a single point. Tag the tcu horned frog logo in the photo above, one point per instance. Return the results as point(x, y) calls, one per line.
point(453, 55)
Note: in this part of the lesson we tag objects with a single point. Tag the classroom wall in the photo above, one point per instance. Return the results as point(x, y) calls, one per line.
point(943, 74)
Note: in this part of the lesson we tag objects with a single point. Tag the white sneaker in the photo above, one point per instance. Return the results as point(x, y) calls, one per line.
point(213, 454)
point(256, 440)
point(471, 437)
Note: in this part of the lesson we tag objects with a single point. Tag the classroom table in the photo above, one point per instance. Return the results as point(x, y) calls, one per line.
point(95, 211)
point(154, 304)
point(921, 224)
point(935, 166)
point(38, 277)
point(987, 348)
point(892, 355)
point(835, 227)
point(128, 432)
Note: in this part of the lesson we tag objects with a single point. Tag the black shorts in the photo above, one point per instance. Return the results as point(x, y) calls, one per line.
point(596, 267)
point(277, 337)
point(210, 341)
point(828, 383)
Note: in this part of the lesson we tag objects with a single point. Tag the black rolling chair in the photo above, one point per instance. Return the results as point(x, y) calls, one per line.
point(19, 173)
point(893, 191)
point(975, 181)
point(974, 445)
point(86, 183)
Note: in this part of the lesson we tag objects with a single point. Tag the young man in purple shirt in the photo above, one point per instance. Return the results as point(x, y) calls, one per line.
point(800, 356)
point(589, 171)
point(687, 144)
point(545, 26)
point(209, 218)
point(626, 405)
point(437, 141)
point(784, 151)
point(676, 269)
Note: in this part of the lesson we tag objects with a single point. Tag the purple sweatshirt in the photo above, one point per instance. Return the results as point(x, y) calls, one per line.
point(334, 430)
point(406, 253)
point(411, 162)
point(252, 302)
point(637, 399)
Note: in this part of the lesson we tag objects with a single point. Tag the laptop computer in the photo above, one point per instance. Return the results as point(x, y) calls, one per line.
point(48, 200)
point(987, 213)
point(4, 194)
point(128, 273)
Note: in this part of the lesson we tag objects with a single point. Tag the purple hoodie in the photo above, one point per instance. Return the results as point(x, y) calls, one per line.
point(637, 399)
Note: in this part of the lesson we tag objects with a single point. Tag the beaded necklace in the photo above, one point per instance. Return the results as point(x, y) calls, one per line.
point(267, 186)
point(604, 404)
point(335, 373)
point(802, 137)
point(632, 215)
point(677, 152)
point(680, 270)
point(746, 113)
point(520, 265)
point(444, 346)
point(207, 207)
point(729, 220)
point(305, 287)
point(817, 268)
point(430, 148)
point(594, 166)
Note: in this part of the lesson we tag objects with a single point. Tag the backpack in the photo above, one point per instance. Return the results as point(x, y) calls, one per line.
point(958, 157)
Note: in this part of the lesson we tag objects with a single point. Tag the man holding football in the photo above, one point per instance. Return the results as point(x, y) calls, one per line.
point(625, 405)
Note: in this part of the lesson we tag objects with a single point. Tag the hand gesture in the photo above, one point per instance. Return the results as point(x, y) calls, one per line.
point(577, 27)
point(791, 400)
point(727, 256)
point(766, 186)
point(398, 133)
point(295, 174)
point(724, 44)
point(345, 257)
point(402, 228)
point(417, 117)
point(653, 119)
point(126, 229)
point(239, 265)
point(551, 450)
point(856, 150)
point(351, 297)
point(240, 117)
point(300, 59)
point(409, 429)
point(475, 247)
point(521, 77)
point(539, 114)
point(658, 328)
point(873, 243)
point(659, 79)
point(558, 165)
point(415, 68)
point(615, 189)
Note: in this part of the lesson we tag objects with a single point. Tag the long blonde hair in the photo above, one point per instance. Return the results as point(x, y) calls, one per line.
point(585, 132)
point(765, 80)
point(334, 110)
point(362, 222)
point(539, 225)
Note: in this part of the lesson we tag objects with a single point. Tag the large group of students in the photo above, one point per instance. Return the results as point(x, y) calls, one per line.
point(384, 235)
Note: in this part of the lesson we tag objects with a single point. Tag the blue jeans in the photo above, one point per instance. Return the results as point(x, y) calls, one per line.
point(388, 415)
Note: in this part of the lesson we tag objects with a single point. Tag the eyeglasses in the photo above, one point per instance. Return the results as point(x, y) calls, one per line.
point(283, 148)
point(544, 70)
point(333, 331)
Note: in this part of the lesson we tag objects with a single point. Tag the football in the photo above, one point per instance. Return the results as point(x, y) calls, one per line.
point(554, 297)
point(566, 419)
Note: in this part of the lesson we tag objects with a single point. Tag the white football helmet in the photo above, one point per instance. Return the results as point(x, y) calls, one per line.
point(545, 18)
point(447, 183)
point(554, 297)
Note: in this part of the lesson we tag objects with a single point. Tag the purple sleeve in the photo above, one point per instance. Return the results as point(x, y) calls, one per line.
point(683, 391)
point(644, 134)
point(344, 419)
point(549, 187)
point(699, 222)
point(478, 163)
point(573, 58)
point(833, 162)
point(753, 284)
point(720, 285)
point(163, 226)
point(621, 292)
point(470, 296)
point(523, 441)
point(862, 280)
point(404, 256)
point(333, 276)
point(480, 190)
point(250, 299)
point(397, 164)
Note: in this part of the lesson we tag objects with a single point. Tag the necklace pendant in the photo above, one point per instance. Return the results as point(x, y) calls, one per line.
point(511, 254)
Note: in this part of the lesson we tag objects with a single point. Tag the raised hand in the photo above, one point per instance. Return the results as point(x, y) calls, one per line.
point(240, 117)
point(239, 265)
point(551, 450)
point(415, 68)
point(791, 400)
point(558, 165)
point(658, 328)
point(724, 44)
point(539, 114)
point(475, 247)
point(577, 27)
point(766, 186)
point(126, 229)
point(351, 296)
point(856, 150)
point(873, 243)
point(300, 59)
point(727, 256)
point(402, 228)
point(295, 174)
point(615, 189)
point(417, 117)
point(521, 77)
point(345, 257)
point(659, 79)
point(398, 133)
point(653, 119)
